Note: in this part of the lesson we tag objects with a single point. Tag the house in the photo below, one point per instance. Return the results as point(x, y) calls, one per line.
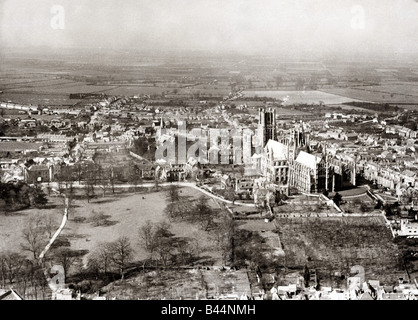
point(38, 173)
point(175, 172)
point(246, 181)
point(408, 229)
point(147, 171)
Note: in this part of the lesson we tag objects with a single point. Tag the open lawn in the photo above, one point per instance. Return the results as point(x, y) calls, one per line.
point(12, 224)
point(125, 214)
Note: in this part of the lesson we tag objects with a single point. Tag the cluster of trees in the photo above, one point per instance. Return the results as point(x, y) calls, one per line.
point(23, 274)
point(96, 175)
point(103, 174)
point(20, 195)
point(164, 248)
point(373, 106)
point(145, 147)
point(38, 230)
point(198, 211)
point(180, 208)
point(230, 194)
point(110, 256)
point(391, 209)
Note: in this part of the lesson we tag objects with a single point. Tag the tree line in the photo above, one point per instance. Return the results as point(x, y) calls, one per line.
point(20, 196)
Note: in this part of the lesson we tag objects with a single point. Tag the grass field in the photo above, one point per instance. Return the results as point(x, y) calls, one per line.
point(126, 213)
point(13, 224)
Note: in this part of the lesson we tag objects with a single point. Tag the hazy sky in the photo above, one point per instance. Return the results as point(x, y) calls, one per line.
point(253, 26)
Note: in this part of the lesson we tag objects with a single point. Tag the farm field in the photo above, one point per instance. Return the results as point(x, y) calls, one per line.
point(57, 87)
point(131, 90)
point(180, 284)
point(334, 244)
point(396, 93)
point(28, 98)
point(295, 97)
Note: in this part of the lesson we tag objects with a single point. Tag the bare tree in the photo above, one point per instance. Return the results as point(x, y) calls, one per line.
point(157, 238)
point(203, 213)
point(49, 224)
point(100, 260)
point(230, 194)
point(134, 175)
point(65, 179)
point(173, 194)
point(79, 171)
point(112, 179)
point(225, 237)
point(121, 254)
point(163, 239)
point(179, 210)
point(146, 238)
point(13, 262)
point(187, 249)
point(66, 258)
point(34, 236)
point(103, 179)
point(24, 276)
point(156, 183)
point(3, 270)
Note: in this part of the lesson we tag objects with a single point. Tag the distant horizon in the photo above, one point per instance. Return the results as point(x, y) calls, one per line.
point(297, 56)
point(349, 28)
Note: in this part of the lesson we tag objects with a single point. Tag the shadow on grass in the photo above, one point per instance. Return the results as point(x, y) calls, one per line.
point(74, 236)
point(105, 200)
point(109, 198)
point(103, 221)
point(49, 206)
point(61, 242)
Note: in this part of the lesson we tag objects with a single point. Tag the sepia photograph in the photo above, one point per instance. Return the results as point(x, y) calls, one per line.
point(224, 151)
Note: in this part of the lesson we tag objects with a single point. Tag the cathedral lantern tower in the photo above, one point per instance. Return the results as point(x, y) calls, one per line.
point(267, 125)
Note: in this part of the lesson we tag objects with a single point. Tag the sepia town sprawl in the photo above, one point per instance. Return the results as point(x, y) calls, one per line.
point(207, 150)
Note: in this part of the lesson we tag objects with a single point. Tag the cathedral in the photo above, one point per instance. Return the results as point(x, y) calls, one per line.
point(288, 161)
